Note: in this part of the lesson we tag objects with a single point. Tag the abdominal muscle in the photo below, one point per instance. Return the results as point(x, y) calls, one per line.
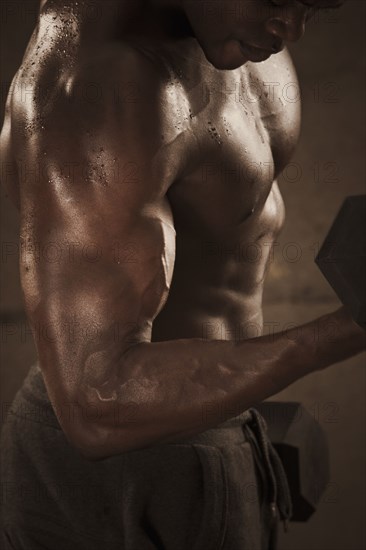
point(217, 287)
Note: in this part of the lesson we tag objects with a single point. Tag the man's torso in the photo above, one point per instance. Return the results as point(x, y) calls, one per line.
point(233, 132)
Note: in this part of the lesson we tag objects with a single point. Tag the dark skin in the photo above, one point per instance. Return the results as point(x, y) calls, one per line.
point(156, 150)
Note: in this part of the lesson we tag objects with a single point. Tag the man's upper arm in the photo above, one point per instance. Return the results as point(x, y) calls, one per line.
point(99, 254)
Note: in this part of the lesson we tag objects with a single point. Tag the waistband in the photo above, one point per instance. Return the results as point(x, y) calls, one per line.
point(229, 432)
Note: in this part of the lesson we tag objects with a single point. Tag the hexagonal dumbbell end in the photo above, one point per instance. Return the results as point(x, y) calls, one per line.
point(303, 449)
point(342, 257)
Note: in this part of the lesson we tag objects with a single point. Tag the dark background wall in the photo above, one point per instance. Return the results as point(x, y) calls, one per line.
point(328, 165)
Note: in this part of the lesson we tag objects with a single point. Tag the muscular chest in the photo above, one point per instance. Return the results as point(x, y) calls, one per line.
point(230, 169)
point(233, 134)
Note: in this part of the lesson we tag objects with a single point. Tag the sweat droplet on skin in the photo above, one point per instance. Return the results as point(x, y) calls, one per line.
point(214, 133)
point(226, 125)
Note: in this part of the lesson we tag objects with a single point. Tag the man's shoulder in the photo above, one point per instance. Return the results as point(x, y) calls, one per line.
point(118, 76)
point(114, 91)
point(119, 62)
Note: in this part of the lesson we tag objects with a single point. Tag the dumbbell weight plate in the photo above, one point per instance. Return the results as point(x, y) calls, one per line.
point(303, 448)
point(342, 257)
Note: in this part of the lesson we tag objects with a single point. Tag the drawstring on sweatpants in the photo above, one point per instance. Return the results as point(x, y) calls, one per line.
point(280, 496)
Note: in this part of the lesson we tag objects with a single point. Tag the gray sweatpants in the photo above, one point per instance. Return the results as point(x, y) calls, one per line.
point(217, 490)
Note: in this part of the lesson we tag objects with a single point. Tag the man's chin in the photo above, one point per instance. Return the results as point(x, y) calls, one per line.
point(226, 58)
point(226, 65)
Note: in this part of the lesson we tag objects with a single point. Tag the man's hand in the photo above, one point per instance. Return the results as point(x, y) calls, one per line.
point(339, 329)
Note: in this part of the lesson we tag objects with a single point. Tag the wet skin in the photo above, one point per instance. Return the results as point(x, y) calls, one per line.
point(154, 163)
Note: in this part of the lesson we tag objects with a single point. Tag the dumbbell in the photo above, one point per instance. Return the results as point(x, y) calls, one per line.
point(342, 257)
point(296, 435)
point(302, 447)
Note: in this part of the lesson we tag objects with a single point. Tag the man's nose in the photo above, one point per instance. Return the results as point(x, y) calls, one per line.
point(288, 24)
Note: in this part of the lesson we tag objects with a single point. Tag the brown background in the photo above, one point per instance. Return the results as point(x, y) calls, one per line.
point(328, 165)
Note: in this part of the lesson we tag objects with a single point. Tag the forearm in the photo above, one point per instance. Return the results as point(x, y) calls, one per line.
point(165, 391)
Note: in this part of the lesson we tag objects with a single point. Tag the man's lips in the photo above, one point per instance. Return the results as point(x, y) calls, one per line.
point(254, 53)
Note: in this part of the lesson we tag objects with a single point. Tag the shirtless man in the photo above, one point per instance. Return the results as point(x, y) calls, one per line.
point(144, 139)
